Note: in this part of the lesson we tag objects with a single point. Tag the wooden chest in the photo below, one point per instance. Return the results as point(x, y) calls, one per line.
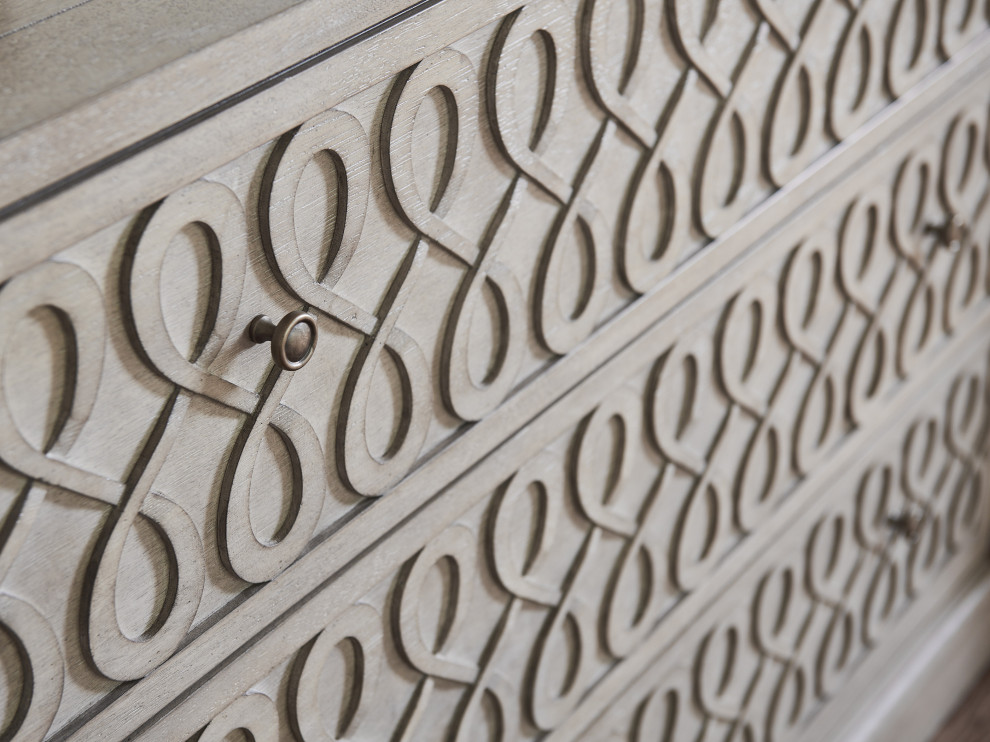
point(626, 375)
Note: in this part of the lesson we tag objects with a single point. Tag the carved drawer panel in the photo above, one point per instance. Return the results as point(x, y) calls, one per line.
point(793, 632)
point(639, 327)
point(622, 512)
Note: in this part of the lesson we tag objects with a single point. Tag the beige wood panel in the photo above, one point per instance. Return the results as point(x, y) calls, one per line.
point(607, 395)
point(211, 426)
point(17, 15)
point(57, 55)
point(107, 74)
point(66, 215)
point(797, 630)
point(601, 313)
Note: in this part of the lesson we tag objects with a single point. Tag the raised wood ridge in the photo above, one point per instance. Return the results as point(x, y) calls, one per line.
point(610, 328)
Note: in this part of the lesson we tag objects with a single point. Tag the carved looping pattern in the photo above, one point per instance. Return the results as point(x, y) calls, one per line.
point(816, 612)
point(586, 549)
point(479, 216)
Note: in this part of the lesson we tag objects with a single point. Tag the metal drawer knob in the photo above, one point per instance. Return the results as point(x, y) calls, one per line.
point(907, 524)
point(951, 233)
point(293, 339)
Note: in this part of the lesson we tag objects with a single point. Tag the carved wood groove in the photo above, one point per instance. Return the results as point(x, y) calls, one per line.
point(919, 471)
point(828, 594)
point(469, 234)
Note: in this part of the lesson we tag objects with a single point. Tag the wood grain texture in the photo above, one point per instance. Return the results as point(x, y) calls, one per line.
point(646, 376)
point(108, 74)
point(822, 598)
point(57, 56)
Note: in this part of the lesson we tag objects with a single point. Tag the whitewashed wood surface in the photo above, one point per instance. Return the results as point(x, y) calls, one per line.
point(650, 400)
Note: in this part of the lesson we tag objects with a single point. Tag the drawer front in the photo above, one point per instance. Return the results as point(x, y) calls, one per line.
point(834, 378)
point(600, 312)
point(784, 652)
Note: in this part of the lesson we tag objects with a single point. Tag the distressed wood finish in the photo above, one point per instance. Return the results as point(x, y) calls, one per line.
point(651, 398)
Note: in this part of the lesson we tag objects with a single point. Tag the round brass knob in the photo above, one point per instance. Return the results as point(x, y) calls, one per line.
point(907, 524)
point(293, 339)
point(951, 233)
